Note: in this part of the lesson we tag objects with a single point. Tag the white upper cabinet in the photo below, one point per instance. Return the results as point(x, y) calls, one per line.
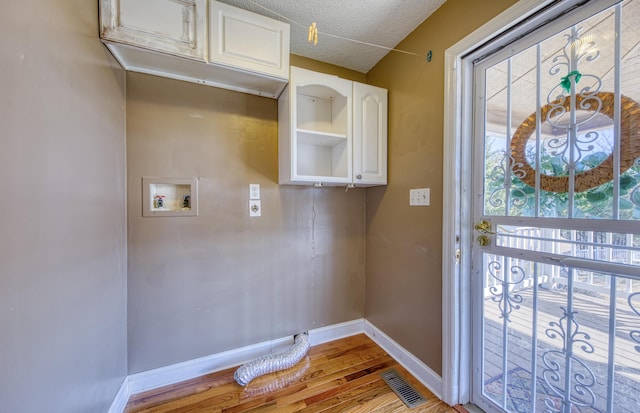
point(331, 131)
point(369, 135)
point(169, 26)
point(199, 41)
point(247, 40)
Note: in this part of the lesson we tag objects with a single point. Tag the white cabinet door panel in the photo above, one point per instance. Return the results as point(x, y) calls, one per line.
point(369, 135)
point(249, 41)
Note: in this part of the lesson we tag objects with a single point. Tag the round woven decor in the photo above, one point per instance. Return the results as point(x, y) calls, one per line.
point(629, 144)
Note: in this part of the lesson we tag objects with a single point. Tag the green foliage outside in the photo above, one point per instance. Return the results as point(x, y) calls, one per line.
point(596, 203)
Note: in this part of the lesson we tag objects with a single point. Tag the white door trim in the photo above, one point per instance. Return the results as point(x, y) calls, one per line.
point(456, 320)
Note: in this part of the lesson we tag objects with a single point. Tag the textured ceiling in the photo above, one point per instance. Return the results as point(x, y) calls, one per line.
point(380, 22)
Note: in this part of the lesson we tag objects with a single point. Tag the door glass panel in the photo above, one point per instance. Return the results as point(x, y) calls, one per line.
point(558, 268)
point(560, 116)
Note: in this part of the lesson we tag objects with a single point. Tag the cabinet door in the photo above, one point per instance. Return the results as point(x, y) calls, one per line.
point(248, 41)
point(171, 26)
point(369, 135)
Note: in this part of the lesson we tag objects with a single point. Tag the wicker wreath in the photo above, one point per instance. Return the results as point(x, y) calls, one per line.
point(629, 144)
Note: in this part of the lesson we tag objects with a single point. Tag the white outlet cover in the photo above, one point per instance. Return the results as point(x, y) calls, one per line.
point(255, 209)
point(420, 197)
point(254, 191)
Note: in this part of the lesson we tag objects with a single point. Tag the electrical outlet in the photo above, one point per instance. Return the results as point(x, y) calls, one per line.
point(254, 191)
point(420, 197)
point(255, 210)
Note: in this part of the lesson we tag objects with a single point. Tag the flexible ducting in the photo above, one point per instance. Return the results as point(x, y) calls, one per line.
point(273, 362)
point(278, 381)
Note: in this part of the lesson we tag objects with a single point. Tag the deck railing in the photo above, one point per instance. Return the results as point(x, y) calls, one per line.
point(590, 245)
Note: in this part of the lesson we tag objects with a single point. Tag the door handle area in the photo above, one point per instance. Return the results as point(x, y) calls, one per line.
point(484, 227)
point(484, 241)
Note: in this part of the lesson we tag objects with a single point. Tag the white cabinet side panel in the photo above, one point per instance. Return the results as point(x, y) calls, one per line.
point(285, 160)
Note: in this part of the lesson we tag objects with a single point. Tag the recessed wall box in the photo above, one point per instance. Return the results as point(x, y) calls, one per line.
point(169, 197)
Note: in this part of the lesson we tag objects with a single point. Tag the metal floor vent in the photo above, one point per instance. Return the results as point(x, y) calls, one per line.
point(404, 390)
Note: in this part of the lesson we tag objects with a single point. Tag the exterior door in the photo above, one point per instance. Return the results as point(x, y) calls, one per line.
point(556, 251)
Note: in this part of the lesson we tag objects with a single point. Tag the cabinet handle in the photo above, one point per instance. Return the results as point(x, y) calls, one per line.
point(359, 177)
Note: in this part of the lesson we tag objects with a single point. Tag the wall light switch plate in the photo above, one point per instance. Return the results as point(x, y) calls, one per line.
point(254, 191)
point(420, 197)
point(255, 209)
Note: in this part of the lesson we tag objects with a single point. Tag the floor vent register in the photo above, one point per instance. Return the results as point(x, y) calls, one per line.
point(409, 395)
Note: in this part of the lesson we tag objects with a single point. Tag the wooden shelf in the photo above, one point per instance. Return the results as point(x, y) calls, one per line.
point(310, 137)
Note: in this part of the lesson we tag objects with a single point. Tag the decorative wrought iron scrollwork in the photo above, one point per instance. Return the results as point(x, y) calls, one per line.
point(516, 168)
point(560, 103)
point(577, 47)
point(565, 99)
point(635, 334)
point(507, 302)
point(498, 175)
point(581, 378)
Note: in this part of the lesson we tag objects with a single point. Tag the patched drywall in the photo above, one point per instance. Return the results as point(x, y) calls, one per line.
point(222, 280)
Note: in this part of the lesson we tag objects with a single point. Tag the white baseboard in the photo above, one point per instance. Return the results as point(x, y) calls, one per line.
point(336, 331)
point(174, 373)
point(152, 379)
point(417, 368)
point(121, 399)
point(164, 376)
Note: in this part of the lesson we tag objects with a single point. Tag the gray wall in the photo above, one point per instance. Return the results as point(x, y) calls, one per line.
point(206, 284)
point(63, 244)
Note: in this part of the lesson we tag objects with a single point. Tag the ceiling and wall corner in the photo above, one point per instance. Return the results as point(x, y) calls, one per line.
point(379, 22)
point(323, 67)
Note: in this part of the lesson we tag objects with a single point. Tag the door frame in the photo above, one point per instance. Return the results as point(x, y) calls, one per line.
point(514, 22)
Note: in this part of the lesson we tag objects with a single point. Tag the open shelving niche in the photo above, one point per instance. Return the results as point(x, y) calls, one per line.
point(179, 197)
point(321, 134)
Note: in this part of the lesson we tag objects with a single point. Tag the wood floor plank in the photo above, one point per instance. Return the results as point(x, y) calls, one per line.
point(321, 387)
point(358, 397)
point(342, 390)
point(384, 403)
point(339, 376)
point(210, 384)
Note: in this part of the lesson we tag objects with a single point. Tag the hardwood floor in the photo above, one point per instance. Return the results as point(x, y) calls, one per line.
point(339, 376)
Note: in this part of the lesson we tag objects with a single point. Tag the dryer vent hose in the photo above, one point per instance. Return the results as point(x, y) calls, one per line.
point(273, 362)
